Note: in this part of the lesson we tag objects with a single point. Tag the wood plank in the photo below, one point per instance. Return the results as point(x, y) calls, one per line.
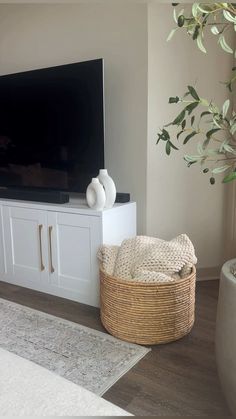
point(179, 378)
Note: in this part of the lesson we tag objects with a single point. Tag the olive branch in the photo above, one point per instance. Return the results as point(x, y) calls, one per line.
point(216, 148)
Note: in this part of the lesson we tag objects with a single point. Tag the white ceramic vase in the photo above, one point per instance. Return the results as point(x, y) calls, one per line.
point(109, 186)
point(95, 195)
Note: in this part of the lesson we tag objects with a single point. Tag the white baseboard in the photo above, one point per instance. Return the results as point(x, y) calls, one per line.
point(206, 274)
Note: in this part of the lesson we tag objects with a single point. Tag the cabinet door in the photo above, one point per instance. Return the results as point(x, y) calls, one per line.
point(73, 244)
point(25, 238)
point(3, 268)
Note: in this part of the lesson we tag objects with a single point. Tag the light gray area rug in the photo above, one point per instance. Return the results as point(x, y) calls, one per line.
point(29, 390)
point(92, 359)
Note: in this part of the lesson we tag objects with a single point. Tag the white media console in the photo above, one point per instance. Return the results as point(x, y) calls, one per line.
point(52, 248)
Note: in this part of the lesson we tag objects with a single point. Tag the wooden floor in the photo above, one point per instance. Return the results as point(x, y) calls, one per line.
point(177, 379)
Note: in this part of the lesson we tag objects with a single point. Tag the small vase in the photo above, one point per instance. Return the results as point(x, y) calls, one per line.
point(109, 186)
point(95, 195)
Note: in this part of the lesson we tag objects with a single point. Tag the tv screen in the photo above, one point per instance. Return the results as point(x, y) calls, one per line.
point(52, 127)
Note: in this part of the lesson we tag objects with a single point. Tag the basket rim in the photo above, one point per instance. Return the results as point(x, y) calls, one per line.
point(149, 284)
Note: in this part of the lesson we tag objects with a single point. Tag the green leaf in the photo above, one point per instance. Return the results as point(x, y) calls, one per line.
point(188, 158)
point(229, 177)
point(229, 85)
point(192, 120)
point(186, 94)
point(215, 30)
point(183, 124)
point(196, 32)
point(193, 93)
point(189, 137)
point(168, 148)
point(200, 44)
point(225, 108)
point(229, 149)
point(229, 17)
point(181, 12)
point(173, 146)
point(166, 134)
point(174, 15)
point(171, 34)
point(224, 45)
point(211, 132)
point(213, 108)
point(191, 162)
point(189, 108)
point(233, 128)
point(200, 149)
point(181, 132)
point(216, 122)
point(205, 143)
point(220, 169)
point(205, 113)
point(159, 138)
point(195, 9)
point(179, 118)
point(204, 9)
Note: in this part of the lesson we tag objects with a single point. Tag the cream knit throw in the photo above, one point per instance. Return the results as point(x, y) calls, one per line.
point(148, 259)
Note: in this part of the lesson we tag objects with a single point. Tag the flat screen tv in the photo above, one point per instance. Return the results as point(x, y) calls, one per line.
point(52, 127)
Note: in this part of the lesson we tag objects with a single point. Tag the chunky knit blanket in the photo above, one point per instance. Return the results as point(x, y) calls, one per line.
point(148, 259)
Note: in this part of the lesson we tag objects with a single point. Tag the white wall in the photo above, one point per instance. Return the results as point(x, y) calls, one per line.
point(140, 69)
point(41, 35)
point(180, 199)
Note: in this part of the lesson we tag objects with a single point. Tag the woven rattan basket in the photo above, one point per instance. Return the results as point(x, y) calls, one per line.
point(147, 313)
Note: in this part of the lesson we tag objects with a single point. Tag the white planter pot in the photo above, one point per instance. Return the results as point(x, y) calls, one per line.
point(226, 335)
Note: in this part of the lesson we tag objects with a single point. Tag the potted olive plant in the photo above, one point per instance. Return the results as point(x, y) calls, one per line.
point(213, 127)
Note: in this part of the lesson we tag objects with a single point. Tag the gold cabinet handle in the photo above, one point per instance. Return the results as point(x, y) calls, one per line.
point(50, 249)
point(42, 267)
